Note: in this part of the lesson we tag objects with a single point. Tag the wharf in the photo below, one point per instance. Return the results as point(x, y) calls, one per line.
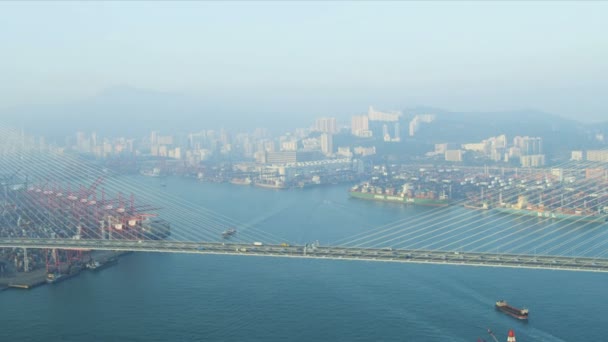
point(22, 280)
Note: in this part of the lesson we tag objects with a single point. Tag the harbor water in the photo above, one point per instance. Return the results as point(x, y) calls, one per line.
point(179, 297)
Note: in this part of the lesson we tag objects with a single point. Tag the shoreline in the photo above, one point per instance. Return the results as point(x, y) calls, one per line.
point(35, 278)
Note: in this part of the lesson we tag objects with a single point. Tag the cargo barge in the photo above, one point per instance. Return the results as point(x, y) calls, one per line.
point(504, 307)
point(241, 181)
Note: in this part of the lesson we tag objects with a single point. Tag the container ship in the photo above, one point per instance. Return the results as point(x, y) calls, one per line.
point(503, 306)
point(270, 184)
point(476, 206)
point(407, 196)
point(523, 208)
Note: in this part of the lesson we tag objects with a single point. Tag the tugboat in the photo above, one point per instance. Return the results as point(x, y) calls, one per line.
point(229, 233)
point(53, 277)
point(503, 306)
point(95, 265)
point(511, 337)
point(92, 265)
point(56, 276)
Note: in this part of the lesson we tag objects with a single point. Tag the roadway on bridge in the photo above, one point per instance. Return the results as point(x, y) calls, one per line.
point(322, 252)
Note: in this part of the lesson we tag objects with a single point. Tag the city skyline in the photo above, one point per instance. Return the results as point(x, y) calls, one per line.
point(276, 170)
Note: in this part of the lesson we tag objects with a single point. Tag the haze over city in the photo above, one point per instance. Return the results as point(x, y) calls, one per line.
point(303, 170)
point(299, 60)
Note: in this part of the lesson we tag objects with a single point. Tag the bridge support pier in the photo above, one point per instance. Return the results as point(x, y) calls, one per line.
point(26, 262)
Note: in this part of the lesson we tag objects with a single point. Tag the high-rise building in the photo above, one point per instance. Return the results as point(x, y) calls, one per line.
point(441, 148)
point(93, 140)
point(397, 135)
point(165, 140)
point(327, 144)
point(360, 126)
point(290, 145)
point(534, 160)
point(597, 155)
point(344, 152)
point(375, 115)
point(365, 151)
point(529, 145)
point(260, 133)
point(576, 156)
point(82, 143)
point(326, 125)
point(476, 147)
point(453, 155)
point(498, 141)
point(153, 138)
point(282, 157)
point(385, 135)
point(417, 120)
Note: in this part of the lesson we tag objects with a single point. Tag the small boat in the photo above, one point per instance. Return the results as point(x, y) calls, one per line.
point(503, 306)
point(228, 233)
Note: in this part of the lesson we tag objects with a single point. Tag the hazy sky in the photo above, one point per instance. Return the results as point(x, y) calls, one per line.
point(323, 56)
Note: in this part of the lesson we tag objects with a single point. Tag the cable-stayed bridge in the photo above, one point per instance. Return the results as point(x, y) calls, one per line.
point(52, 200)
point(322, 252)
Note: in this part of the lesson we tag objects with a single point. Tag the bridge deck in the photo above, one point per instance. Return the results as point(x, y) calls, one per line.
point(324, 252)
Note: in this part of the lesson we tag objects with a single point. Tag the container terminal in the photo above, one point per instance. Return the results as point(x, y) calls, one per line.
point(560, 194)
point(61, 210)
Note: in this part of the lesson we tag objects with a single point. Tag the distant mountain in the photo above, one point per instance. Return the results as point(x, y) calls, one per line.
point(119, 109)
point(132, 112)
point(557, 132)
point(128, 111)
